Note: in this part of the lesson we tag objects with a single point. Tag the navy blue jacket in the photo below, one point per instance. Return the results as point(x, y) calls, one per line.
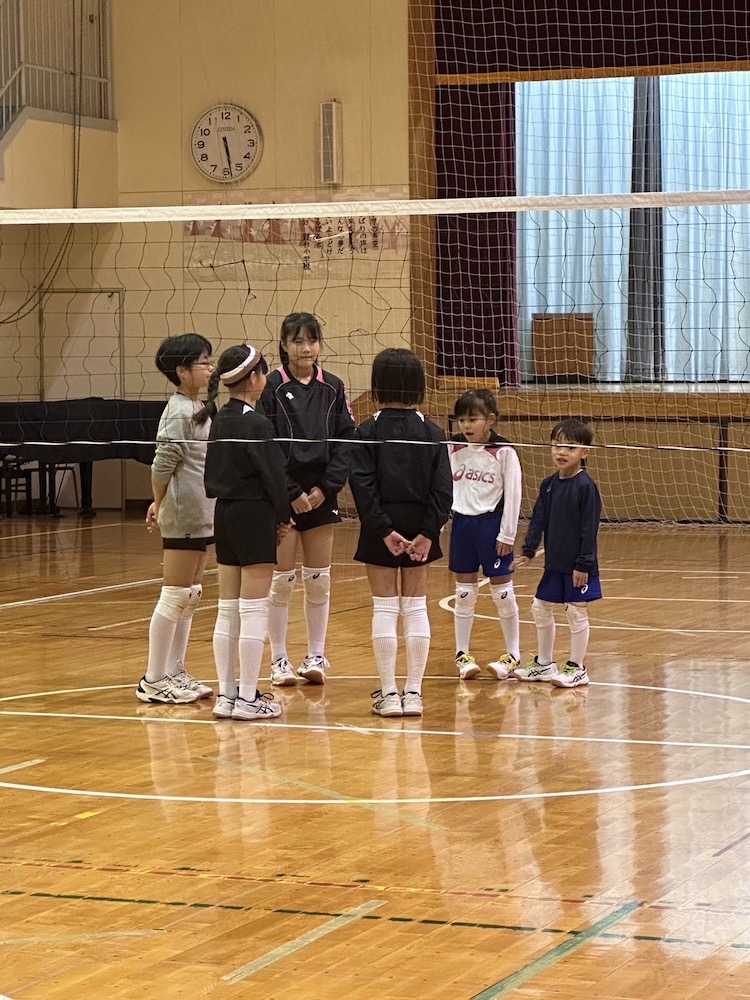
point(566, 514)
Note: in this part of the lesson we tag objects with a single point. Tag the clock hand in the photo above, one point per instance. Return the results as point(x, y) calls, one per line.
point(226, 150)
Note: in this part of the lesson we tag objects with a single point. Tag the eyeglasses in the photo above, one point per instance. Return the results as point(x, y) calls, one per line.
point(203, 364)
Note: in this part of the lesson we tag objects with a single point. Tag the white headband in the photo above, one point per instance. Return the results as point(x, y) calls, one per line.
point(228, 378)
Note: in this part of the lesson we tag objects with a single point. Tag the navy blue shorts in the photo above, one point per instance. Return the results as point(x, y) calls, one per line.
point(474, 544)
point(557, 588)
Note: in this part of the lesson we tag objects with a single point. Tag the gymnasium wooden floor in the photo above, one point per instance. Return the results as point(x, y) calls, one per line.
point(517, 841)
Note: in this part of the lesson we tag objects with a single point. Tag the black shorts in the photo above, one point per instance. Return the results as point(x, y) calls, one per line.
point(407, 519)
point(327, 513)
point(188, 544)
point(245, 532)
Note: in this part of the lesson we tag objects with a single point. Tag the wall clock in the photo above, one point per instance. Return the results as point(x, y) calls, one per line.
point(226, 143)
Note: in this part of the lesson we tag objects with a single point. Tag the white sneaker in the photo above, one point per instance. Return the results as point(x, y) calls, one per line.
point(313, 669)
point(467, 666)
point(259, 710)
point(570, 676)
point(411, 703)
point(387, 705)
point(164, 692)
point(185, 680)
point(282, 673)
point(223, 707)
point(503, 666)
point(534, 671)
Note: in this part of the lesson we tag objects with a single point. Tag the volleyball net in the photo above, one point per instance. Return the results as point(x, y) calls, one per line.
point(629, 311)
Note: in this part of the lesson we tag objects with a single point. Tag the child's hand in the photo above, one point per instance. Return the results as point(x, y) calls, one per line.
point(302, 504)
point(396, 544)
point(151, 516)
point(283, 529)
point(420, 548)
point(503, 549)
point(580, 579)
point(316, 496)
point(519, 562)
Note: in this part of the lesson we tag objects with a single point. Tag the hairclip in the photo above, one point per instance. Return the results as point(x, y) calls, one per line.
point(228, 378)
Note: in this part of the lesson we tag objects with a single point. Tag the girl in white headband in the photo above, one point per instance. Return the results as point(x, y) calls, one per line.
point(245, 472)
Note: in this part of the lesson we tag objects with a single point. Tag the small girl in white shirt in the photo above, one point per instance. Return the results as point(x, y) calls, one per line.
point(486, 504)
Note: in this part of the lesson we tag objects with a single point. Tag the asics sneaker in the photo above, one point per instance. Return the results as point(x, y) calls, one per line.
point(467, 666)
point(282, 673)
point(164, 692)
point(223, 707)
point(387, 705)
point(503, 666)
point(411, 703)
point(313, 669)
point(534, 671)
point(260, 710)
point(570, 675)
point(183, 679)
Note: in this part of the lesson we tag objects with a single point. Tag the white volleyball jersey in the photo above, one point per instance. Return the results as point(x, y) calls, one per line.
point(487, 478)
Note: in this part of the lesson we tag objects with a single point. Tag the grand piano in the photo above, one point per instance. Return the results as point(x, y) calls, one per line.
point(78, 431)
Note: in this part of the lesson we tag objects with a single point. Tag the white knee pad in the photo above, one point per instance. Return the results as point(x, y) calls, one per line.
point(542, 612)
point(282, 585)
point(578, 617)
point(228, 619)
point(317, 584)
point(196, 592)
point(385, 612)
point(172, 602)
point(466, 599)
point(415, 618)
point(504, 597)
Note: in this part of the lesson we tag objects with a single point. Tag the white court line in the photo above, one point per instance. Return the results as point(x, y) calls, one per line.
point(21, 766)
point(300, 942)
point(424, 800)
point(140, 621)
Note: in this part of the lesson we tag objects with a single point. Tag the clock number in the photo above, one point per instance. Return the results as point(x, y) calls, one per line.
point(226, 116)
point(251, 143)
point(200, 144)
point(239, 167)
point(227, 172)
point(247, 156)
point(204, 157)
point(205, 131)
point(248, 129)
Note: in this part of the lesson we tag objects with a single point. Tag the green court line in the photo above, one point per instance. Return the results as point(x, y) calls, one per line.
point(300, 942)
point(425, 921)
point(321, 790)
point(552, 957)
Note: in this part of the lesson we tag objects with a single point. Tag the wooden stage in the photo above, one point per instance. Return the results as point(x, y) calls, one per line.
point(517, 841)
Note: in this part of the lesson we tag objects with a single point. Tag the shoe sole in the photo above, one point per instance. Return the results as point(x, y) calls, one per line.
point(389, 715)
point(285, 682)
point(253, 718)
point(546, 678)
point(313, 677)
point(561, 684)
point(469, 672)
point(499, 673)
point(412, 713)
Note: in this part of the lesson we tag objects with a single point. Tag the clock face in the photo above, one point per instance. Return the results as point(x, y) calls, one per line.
point(226, 143)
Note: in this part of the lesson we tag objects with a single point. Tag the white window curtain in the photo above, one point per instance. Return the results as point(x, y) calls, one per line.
point(575, 137)
point(706, 146)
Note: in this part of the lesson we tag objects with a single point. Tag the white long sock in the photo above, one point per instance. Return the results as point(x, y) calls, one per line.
point(317, 588)
point(177, 654)
point(385, 611)
point(161, 631)
point(544, 620)
point(253, 631)
point(507, 609)
point(226, 646)
point(463, 619)
point(417, 634)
